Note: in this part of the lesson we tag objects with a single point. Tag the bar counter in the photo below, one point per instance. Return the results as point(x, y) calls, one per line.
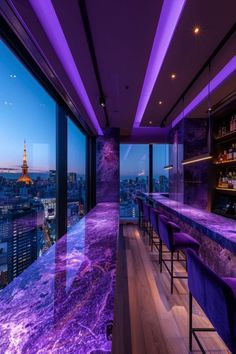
point(64, 302)
point(219, 247)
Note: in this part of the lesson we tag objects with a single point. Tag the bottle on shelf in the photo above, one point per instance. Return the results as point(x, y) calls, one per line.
point(223, 129)
point(234, 123)
point(220, 180)
point(220, 158)
point(228, 126)
point(231, 124)
point(224, 157)
point(234, 180)
point(230, 154)
point(234, 150)
point(230, 183)
point(224, 183)
point(227, 155)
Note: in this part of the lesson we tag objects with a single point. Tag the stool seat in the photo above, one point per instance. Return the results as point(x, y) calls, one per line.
point(154, 214)
point(147, 221)
point(182, 240)
point(216, 296)
point(175, 241)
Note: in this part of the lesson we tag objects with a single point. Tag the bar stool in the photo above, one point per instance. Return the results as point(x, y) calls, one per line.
point(155, 241)
point(217, 298)
point(139, 201)
point(175, 241)
point(147, 225)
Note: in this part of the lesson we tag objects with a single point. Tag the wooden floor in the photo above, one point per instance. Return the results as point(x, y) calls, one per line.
point(155, 320)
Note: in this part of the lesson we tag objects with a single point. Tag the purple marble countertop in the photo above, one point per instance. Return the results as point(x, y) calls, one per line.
point(218, 228)
point(63, 302)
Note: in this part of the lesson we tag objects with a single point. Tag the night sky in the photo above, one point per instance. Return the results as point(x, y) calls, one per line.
point(28, 112)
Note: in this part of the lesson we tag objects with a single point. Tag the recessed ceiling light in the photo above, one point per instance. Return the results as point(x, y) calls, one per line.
point(196, 30)
point(102, 102)
point(173, 76)
point(159, 102)
point(150, 122)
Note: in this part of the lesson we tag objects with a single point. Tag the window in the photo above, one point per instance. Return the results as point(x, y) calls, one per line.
point(134, 175)
point(27, 168)
point(160, 175)
point(76, 179)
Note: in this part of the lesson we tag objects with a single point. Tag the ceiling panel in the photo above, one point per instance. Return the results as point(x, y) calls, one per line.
point(123, 33)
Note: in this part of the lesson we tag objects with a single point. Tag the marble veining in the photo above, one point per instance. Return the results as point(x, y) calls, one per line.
point(216, 227)
point(64, 301)
point(107, 166)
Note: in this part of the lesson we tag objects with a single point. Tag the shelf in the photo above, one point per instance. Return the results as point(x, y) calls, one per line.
point(230, 162)
point(231, 190)
point(226, 137)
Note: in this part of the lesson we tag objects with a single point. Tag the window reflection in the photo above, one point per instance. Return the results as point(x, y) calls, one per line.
point(27, 168)
point(76, 179)
point(160, 175)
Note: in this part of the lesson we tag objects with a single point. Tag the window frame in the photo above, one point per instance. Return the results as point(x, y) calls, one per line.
point(63, 113)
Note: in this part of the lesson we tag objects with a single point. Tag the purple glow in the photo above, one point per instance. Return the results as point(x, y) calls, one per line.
point(222, 75)
point(216, 227)
point(51, 25)
point(170, 14)
point(63, 302)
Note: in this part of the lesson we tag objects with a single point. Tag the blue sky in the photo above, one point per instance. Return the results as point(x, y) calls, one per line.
point(28, 112)
point(134, 159)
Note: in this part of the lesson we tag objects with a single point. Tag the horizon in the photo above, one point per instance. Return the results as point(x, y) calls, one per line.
point(27, 112)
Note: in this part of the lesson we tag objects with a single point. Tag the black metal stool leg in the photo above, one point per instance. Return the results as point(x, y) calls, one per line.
point(190, 322)
point(160, 256)
point(172, 272)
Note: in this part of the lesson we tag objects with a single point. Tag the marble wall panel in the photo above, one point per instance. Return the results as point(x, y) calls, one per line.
point(107, 167)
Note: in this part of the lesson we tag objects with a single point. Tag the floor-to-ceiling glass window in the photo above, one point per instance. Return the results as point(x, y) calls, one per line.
point(76, 174)
point(134, 175)
point(161, 167)
point(27, 168)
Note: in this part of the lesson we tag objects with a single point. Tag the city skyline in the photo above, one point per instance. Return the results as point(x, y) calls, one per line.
point(28, 113)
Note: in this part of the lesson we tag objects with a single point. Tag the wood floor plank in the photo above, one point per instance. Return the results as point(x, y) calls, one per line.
point(159, 320)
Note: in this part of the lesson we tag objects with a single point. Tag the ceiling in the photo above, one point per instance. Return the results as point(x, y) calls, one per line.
point(123, 33)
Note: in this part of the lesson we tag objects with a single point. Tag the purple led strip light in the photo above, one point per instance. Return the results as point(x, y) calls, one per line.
point(48, 19)
point(222, 75)
point(170, 14)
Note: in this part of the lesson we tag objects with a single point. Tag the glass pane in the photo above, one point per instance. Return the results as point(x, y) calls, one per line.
point(160, 175)
point(76, 177)
point(27, 168)
point(134, 170)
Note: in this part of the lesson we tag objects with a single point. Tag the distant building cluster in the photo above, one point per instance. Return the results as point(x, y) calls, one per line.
point(28, 217)
point(131, 186)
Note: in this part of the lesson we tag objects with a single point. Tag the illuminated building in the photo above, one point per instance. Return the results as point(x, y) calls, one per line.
point(24, 178)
